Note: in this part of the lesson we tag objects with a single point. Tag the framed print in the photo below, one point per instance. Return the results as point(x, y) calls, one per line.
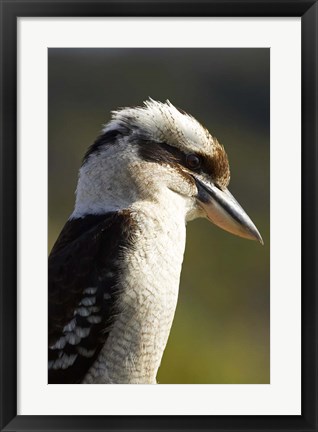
point(132, 70)
point(145, 111)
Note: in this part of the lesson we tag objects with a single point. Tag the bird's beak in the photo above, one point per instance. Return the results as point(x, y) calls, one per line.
point(224, 211)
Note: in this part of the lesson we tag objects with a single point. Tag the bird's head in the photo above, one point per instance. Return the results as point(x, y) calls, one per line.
point(157, 151)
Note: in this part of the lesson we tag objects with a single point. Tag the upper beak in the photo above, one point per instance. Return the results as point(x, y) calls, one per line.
point(224, 211)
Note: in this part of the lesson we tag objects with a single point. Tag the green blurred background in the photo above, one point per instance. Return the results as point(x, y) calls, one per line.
point(221, 328)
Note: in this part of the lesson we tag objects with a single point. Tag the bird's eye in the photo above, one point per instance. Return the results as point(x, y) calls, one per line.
point(193, 161)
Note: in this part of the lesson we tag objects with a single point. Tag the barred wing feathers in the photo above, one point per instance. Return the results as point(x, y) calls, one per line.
point(83, 287)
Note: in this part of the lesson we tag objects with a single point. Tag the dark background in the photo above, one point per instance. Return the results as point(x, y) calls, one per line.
point(221, 329)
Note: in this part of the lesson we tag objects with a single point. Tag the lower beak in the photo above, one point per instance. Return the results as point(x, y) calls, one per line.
point(224, 211)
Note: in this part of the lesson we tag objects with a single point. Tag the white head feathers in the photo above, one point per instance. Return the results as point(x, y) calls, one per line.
point(163, 122)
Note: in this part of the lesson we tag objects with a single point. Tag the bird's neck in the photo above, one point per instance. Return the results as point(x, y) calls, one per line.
point(149, 284)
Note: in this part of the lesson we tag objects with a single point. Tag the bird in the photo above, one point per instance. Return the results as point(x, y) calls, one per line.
point(114, 270)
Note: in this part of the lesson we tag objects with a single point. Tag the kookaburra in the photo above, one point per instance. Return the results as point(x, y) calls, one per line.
point(114, 270)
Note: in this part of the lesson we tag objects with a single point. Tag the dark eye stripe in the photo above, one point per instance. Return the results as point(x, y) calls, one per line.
point(154, 151)
point(107, 138)
point(164, 153)
point(217, 167)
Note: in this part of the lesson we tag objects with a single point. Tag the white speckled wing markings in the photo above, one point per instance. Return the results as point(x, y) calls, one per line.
point(83, 287)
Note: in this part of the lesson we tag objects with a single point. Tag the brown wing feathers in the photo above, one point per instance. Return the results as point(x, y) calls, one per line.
point(83, 287)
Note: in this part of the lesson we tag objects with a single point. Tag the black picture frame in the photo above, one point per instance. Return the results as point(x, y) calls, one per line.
point(10, 11)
